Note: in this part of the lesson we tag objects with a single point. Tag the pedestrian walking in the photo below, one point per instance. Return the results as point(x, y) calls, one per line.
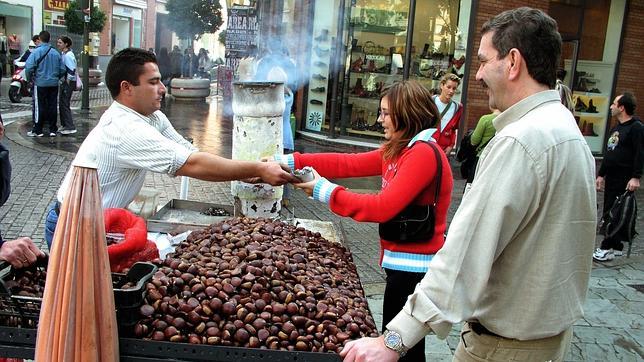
point(67, 85)
point(45, 68)
point(515, 266)
point(450, 112)
point(621, 168)
point(133, 136)
point(416, 189)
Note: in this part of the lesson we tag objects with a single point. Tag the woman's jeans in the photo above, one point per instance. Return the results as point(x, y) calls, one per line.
point(50, 222)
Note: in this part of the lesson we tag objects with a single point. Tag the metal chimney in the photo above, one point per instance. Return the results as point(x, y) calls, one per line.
point(257, 133)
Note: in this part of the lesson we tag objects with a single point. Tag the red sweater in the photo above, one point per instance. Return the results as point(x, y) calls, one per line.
point(408, 179)
point(447, 137)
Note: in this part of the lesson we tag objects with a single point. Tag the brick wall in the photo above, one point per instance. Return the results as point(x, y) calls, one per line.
point(630, 65)
point(477, 104)
point(106, 34)
point(149, 25)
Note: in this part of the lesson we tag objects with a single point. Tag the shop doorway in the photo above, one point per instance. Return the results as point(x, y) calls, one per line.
point(121, 33)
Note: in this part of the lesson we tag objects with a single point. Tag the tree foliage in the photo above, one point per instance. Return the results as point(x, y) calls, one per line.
point(74, 19)
point(190, 19)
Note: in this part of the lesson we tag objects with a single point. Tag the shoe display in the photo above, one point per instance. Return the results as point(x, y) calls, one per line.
point(320, 51)
point(603, 255)
point(68, 131)
point(371, 66)
point(33, 134)
point(316, 102)
point(356, 66)
point(580, 106)
point(318, 90)
point(324, 36)
point(594, 90)
point(591, 107)
point(318, 77)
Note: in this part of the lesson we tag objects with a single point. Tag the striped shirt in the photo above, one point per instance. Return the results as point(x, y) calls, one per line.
point(126, 144)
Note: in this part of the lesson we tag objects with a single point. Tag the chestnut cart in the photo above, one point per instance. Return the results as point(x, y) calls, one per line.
point(20, 343)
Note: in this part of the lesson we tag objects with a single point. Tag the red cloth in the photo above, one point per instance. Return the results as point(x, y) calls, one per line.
point(407, 180)
point(135, 247)
point(447, 137)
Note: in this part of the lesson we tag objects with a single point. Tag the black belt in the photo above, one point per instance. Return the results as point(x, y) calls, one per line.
point(479, 329)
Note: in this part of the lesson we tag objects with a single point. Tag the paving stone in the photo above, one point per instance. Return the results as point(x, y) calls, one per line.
point(609, 293)
point(603, 313)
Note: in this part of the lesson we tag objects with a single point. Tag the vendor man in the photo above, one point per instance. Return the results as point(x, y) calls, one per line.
point(133, 136)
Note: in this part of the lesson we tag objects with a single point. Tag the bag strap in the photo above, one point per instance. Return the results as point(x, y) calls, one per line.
point(41, 58)
point(439, 169)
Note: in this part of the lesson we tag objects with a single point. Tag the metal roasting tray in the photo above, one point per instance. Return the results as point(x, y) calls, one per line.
point(178, 216)
point(21, 343)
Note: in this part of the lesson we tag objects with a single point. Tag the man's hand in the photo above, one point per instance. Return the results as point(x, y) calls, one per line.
point(1, 129)
point(276, 174)
point(599, 183)
point(633, 184)
point(21, 252)
point(368, 349)
point(307, 186)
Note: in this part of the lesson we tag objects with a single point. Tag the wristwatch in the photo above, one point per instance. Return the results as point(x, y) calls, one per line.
point(394, 342)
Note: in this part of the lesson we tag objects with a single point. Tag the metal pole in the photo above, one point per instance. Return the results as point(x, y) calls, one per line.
point(410, 34)
point(85, 56)
point(337, 71)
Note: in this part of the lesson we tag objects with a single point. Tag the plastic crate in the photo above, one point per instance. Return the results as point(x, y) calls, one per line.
point(125, 300)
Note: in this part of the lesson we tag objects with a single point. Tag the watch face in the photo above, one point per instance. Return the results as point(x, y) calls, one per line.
point(392, 340)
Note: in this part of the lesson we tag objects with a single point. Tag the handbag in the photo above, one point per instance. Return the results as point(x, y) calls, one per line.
point(415, 222)
point(79, 83)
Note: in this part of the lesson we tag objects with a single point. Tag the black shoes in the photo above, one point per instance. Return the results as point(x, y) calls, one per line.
point(316, 102)
point(591, 107)
point(318, 90)
point(318, 77)
point(580, 106)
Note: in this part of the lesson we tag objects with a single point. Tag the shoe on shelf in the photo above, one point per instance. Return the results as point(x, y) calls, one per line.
point(603, 255)
point(319, 64)
point(316, 102)
point(318, 77)
point(68, 131)
point(34, 134)
point(318, 90)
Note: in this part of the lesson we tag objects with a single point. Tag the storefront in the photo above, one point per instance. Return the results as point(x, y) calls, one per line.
point(14, 19)
point(347, 51)
point(127, 24)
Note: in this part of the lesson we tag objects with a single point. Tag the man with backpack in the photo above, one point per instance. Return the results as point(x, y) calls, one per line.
point(621, 168)
point(45, 67)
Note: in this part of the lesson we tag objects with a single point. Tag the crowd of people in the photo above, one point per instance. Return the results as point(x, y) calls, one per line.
point(516, 261)
point(175, 64)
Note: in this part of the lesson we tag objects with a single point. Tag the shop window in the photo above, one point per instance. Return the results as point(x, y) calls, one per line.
point(591, 31)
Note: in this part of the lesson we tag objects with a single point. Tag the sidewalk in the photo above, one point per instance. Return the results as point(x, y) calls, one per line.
point(611, 331)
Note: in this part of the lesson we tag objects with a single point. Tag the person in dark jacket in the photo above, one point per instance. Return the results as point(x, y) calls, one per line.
point(621, 168)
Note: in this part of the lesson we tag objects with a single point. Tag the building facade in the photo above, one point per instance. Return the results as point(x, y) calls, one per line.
point(347, 51)
point(21, 17)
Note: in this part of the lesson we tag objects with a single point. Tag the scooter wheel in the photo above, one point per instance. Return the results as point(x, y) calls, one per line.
point(14, 94)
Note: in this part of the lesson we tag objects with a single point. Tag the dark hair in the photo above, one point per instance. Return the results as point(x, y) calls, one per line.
point(126, 65)
point(534, 34)
point(35, 37)
point(412, 110)
point(628, 101)
point(66, 40)
point(44, 36)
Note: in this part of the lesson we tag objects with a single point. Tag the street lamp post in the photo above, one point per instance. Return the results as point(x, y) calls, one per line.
point(85, 55)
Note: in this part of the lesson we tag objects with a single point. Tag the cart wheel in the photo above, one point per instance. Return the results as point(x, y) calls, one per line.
point(14, 94)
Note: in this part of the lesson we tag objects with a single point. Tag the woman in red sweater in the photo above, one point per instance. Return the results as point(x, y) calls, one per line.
point(409, 166)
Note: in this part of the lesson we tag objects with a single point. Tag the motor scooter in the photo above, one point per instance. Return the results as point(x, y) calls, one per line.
point(19, 86)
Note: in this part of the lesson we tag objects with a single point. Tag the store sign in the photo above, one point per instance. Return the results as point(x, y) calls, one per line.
point(126, 12)
point(241, 33)
point(53, 18)
point(56, 5)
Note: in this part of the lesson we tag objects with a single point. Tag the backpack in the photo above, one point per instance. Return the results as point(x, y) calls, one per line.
point(466, 155)
point(621, 218)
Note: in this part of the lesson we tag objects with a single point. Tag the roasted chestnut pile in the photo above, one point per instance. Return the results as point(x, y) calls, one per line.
point(257, 283)
point(26, 282)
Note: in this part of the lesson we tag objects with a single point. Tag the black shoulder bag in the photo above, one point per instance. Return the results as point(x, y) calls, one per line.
point(415, 222)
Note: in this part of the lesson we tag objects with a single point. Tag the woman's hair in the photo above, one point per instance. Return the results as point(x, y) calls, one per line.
point(412, 110)
point(65, 39)
point(450, 76)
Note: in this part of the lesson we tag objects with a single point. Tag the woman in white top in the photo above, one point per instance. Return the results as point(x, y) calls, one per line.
point(68, 85)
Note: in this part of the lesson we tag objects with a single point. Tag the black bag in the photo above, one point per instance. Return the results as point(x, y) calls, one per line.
point(5, 174)
point(415, 222)
point(621, 218)
point(466, 150)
